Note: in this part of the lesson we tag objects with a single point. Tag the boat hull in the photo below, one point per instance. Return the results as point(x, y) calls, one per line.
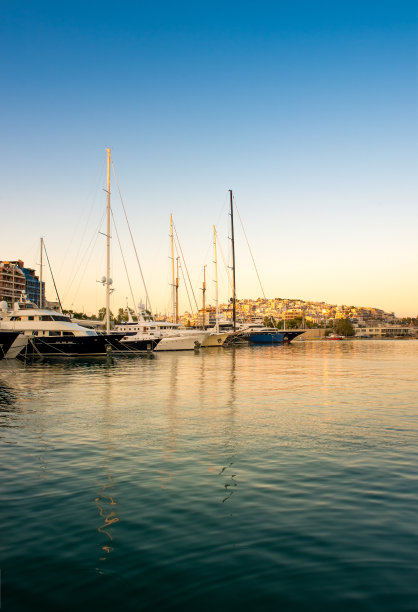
point(215, 340)
point(6, 340)
point(133, 346)
point(179, 343)
point(83, 346)
point(273, 337)
point(17, 347)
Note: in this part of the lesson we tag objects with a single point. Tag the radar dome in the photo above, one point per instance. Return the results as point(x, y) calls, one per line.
point(3, 305)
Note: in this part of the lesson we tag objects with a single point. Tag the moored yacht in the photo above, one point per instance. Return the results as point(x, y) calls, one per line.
point(45, 333)
point(258, 333)
point(171, 336)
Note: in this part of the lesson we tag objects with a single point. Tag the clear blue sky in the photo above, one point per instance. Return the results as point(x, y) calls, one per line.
point(307, 110)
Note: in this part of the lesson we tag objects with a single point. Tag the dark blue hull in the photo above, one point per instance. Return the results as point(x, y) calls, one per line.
point(132, 346)
point(84, 346)
point(266, 338)
point(272, 337)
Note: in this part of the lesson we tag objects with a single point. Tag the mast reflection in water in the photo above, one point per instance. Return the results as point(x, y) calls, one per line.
point(239, 478)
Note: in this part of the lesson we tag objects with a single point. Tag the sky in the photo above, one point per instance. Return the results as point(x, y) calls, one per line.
point(306, 110)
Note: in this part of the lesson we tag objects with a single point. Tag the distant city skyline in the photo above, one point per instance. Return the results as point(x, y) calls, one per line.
point(308, 112)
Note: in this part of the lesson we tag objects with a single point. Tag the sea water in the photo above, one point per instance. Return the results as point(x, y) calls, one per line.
point(248, 478)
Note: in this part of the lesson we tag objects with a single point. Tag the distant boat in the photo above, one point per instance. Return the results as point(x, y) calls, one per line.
point(259, 334)
point(169, 336)
point(334, 337)
point(254, 333)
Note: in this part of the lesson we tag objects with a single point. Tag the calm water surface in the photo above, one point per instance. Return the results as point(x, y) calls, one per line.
point(264, 478)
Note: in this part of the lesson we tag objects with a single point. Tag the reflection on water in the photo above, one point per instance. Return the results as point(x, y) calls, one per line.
point(248, 477)
point(105, 501)
point(7, 397)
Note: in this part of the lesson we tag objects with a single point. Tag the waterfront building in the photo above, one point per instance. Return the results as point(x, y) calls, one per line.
point(209, 317)
point(384, 331)
point(32, 286)
point(12, 282)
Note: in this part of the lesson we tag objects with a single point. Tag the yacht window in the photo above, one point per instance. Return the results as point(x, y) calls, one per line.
point(55, 333)
point(46, 318)
point(58, 318)
point(30, 318)
point(68, 333)
point(34, 333)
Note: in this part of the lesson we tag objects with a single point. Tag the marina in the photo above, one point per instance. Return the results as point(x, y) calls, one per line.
point(208, 307)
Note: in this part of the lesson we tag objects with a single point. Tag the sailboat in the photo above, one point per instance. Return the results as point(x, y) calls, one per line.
point(118, 341)
point(254, 333)
point(167, 335)
point(215, 338)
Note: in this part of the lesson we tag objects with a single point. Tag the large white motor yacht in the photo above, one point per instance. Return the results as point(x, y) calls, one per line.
point(46, 332)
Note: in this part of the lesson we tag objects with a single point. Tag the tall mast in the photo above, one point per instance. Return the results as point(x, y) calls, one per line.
point(204, 297)
point(216, 282)
point(177, 291)
point(41, 297)
point(234, 300)
point(108, 247)
point(13, 286)
point(172, 268)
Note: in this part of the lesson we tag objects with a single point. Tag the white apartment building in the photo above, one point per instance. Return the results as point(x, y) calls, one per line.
point(384, 331)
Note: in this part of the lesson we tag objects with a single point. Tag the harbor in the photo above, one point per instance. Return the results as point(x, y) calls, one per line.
point(208, 306)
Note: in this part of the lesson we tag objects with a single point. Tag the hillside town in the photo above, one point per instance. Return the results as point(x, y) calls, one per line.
point(288, 313)
point(297, 313)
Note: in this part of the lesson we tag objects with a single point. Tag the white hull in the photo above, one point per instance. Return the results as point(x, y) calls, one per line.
point(17, 346)
point(215, 339)
point(186, 341)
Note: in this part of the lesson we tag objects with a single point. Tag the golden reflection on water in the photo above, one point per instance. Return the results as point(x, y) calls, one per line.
point(172, 423)
point(105, 501)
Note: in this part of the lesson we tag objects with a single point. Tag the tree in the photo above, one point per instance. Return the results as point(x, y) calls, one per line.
point(122, 316)
point(102, 313)
point(268, 321)
point(344, 327)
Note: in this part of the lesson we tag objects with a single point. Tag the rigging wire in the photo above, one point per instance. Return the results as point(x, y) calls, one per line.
point(249, 248)
point(130, 232)
point(90, 197)
point(227, 268)
point(185, 285)
point(124, 263)
point(93, 238)
point(185, 265)
point(53, 279)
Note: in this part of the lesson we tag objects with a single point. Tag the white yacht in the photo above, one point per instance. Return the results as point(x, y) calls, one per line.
point(172, 336)
point(45, 333)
